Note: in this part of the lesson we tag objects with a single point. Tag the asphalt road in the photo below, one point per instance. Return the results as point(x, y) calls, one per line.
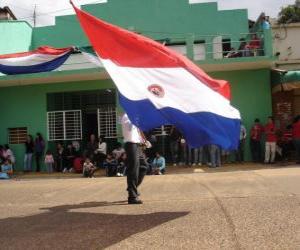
point(229, 208)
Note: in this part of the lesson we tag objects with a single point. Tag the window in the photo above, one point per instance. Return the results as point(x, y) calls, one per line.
point(64, 125)
point(17, 135)
point(162, 130)
point(226, 46)
point(107, 122)
point(178, 47)
point(199, 50)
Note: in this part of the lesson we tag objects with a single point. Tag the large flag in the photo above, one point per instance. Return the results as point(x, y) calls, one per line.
point(158, 86)
point(40, 60)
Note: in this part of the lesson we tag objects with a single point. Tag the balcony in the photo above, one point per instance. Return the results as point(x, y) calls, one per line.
point(226, 51)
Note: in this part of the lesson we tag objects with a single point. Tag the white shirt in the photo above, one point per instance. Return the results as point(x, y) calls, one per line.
point(102, 147)
point(131, 133)
point(243, 132)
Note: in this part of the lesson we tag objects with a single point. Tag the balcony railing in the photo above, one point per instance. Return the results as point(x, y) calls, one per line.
point(225, 46)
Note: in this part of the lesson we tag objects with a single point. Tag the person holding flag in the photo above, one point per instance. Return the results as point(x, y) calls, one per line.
point(134, 141)
point(155, 80)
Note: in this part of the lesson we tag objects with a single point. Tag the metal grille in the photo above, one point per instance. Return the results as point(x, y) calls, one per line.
point(17, 135)
point(162, 130)
point(64, 125)
point(107, 122)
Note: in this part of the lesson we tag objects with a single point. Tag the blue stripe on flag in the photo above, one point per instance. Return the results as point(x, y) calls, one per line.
point(199, 129)
point(43, 67)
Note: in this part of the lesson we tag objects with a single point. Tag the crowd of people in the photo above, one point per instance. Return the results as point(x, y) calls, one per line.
point(280, 145)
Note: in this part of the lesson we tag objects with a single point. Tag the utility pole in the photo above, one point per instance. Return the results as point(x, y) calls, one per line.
point(34, 16)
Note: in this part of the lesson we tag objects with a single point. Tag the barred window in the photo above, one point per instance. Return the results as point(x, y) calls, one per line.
point(64, 125)
point(107, 122)
point(17, 135)
point(162, 130)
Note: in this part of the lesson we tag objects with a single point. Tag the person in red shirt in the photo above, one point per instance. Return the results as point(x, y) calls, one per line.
point(285, 143)
point(296, 137)
point(255, 138)
point(271, 139)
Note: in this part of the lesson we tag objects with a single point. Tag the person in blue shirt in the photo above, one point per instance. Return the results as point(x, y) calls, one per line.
point(7, 168)
point(265, 25)
point(158, 164)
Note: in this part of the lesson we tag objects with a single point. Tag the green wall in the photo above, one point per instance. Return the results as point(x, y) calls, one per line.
point(251, 94)
point(173, 19)
point(15, 36)
point(26, 105)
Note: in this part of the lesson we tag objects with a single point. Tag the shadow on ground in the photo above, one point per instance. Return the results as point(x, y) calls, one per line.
point(61, 228)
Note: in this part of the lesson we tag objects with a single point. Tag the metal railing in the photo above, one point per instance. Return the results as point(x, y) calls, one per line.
point(224, 46)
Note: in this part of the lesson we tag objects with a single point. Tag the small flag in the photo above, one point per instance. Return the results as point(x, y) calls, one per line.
point(42, 59)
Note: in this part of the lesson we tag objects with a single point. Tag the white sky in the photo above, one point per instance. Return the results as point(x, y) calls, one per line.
point(24, 9)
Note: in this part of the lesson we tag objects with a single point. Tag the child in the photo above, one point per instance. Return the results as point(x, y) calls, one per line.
point(121, 169)
point(158, 164)
point(88, 168)
point(7, 167)
point(110, 165)
point(49, 161)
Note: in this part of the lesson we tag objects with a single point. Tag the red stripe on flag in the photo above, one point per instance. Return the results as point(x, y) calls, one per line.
point(128, 49)
point(46, 50)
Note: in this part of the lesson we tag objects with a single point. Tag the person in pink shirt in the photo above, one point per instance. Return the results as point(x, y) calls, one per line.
point(49, 161)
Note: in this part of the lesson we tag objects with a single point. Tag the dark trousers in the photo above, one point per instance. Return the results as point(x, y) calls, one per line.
point(38, 156)
point(297, 147)
point(255, 150)
point(239, 154)
point(135, 172)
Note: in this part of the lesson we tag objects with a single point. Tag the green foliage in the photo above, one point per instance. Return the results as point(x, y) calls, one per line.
point(289, 14)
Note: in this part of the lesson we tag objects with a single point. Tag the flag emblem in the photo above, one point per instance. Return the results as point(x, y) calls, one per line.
point(156, 90)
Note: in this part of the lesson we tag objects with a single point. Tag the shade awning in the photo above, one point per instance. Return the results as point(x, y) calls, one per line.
point(285, 80)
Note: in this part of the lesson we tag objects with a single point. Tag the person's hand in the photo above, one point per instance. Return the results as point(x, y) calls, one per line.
point(148, 144)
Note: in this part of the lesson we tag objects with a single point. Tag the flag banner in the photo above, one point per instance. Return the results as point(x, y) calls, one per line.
point(42, 59)
point(91, 56)
point(158, 86)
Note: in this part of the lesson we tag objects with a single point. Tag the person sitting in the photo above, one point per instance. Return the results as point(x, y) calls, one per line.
point(121, 168)
point(7, 167)
point(8, 154)
point(118, 151)
point(243, 50)
point(100, 153)
point(88, 168)
point(254, 45)
point(70, 156)
point(158, 164)
point(110, 165)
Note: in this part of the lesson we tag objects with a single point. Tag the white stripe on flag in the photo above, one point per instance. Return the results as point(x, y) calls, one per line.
point(182, 90)
point(30, 60)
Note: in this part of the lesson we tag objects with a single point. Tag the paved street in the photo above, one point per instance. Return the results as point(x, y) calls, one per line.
point(240, 207)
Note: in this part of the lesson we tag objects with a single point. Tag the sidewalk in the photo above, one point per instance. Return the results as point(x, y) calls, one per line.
point(171, 170)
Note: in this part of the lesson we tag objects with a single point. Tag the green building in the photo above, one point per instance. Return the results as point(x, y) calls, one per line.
point(79, 98)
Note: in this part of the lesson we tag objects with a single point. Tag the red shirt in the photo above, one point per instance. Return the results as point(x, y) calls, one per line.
point(256, 132)
point(296, 130)
point(270, 132)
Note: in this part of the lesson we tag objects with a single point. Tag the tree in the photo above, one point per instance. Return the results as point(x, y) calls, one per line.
point(290, 14)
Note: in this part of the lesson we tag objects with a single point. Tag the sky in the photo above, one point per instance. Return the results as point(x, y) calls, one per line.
point(46, 10)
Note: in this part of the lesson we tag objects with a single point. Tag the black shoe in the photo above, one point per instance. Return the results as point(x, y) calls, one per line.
point(134, 201)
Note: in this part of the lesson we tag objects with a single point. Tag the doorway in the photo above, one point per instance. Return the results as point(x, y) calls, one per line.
point(91, 125)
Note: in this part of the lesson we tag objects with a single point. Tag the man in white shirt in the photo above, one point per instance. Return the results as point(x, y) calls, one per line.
point(133, 139)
